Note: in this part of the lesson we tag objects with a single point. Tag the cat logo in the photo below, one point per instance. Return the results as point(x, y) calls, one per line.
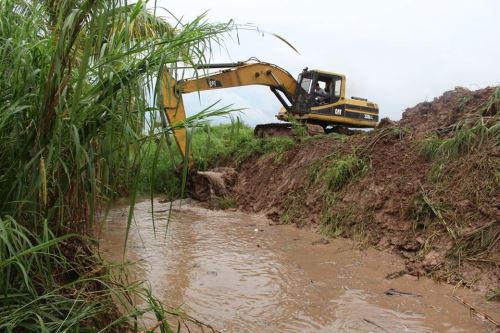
point(337, 112)
point(369, 117)
point(213, 83)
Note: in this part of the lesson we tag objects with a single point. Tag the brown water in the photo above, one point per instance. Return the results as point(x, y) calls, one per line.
point(240, 274)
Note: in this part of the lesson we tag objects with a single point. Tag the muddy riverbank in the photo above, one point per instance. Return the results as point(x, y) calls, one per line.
point(426, 187)
point(240, 273)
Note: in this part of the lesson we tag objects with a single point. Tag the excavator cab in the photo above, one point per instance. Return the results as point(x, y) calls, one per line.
point(331, 88)
point(321, 100)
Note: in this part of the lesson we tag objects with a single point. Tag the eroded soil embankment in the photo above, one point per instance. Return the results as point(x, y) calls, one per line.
point(426, 187)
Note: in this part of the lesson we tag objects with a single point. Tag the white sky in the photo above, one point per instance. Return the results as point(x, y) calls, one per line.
point(394, 52)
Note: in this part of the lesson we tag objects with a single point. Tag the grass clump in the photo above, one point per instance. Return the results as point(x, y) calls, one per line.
point(492, 106)
point(465, 138)
point(478, 244)
point(314, 172)
point(344, 170)
point(335, 219)
point(338, 218)
point(299, 129)
point(42, 290)
point(423, 208)
point(425, 211)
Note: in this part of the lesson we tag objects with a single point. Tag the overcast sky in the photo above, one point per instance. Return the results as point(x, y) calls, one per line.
point(394, 52)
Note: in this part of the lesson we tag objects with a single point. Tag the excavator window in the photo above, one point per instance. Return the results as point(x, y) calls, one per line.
point(336, 91)
point(325, 84)
point(331, 85)
point(306, 84)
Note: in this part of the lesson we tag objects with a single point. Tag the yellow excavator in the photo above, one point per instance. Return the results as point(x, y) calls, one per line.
point(316, 98)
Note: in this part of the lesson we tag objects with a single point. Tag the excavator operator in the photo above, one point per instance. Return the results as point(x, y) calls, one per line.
point(320, 94)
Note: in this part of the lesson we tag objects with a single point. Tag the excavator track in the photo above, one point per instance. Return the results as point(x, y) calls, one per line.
point(272, 130)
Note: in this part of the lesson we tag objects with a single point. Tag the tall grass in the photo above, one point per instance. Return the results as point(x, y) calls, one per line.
point(45, 290)
point(235, 141)
point(77, 86)
point(211, 144)
point(76, 89)
point(41, 289)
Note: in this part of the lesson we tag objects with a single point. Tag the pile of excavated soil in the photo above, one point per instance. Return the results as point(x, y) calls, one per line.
point(440, 225)
point(446, 110)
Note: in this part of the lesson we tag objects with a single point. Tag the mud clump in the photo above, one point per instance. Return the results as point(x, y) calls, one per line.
point(385, 122)
point(205, 185)
point(426, 187)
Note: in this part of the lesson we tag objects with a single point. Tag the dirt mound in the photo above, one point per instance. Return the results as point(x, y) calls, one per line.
point(423, 187)
point(446, 110)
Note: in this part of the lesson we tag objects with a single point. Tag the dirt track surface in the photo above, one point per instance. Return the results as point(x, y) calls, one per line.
point(397, 204)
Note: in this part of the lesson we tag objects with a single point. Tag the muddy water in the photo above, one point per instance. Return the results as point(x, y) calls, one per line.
point(240, 274)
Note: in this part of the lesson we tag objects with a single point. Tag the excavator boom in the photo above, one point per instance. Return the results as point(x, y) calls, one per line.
point(242, 74)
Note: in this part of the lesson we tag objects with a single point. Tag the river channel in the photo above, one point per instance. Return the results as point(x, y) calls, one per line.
point(239, 273)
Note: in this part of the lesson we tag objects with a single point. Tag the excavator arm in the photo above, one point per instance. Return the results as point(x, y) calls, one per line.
point(235, 75)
